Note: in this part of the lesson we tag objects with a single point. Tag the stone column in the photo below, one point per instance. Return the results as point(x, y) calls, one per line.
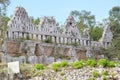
point(25, 35)
point(9, 34)
point(53, 38)
point(73, 40)
point(84, 42)
point(13, 35)
point(65, 40)
point(70, 40)
point(81, 42)
point(39, 37)
point(77, 41)
point(57, 39)
point(43, 37)
point(22, 35)
point(34, 36)
point(30, 36)
point(61, 39)
point(88, 42)
point(18, 34)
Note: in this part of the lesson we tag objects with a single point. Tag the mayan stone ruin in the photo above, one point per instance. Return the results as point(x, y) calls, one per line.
point(44, 43)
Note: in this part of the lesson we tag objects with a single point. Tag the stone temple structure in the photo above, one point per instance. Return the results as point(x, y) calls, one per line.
point(48, 25)
point(21, 27)
point(106, 37)
point(71, 28)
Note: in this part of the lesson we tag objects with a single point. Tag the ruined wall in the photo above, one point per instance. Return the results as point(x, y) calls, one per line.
point(20, 26)
point(12, 47)
point(67, 45)
point(0, 45)
point(36, 52)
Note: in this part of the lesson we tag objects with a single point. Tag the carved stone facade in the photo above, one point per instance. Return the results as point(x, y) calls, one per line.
point(86, 33)
point(106, 37)
point(20, 26)
point(71, 27)
point(48, 25)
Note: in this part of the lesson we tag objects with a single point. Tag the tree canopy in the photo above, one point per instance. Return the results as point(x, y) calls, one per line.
point(87, 20)
point(3, 18)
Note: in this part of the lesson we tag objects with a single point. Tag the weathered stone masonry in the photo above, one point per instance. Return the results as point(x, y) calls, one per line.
point(21, 27)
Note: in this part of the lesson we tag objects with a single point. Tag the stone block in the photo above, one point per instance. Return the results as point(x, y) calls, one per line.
point(22, 59)
point(12, 47)
point(32, 59)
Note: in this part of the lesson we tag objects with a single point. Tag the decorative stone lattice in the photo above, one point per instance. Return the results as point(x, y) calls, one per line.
point(20, 22)
point(48, 25)
point(71, 27)
point(107, 35)
point(86, 33)
point(20, 26)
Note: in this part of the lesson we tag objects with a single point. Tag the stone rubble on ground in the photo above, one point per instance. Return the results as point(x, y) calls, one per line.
point(77, 74)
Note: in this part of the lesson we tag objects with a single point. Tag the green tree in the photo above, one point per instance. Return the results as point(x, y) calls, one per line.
point(95, 33)
point(114, 23)
point(114, 20)
point(3, 27)
point(86, 20)
point(3, 18)
point(35, 21)
point(75, 14)
point(3, 5)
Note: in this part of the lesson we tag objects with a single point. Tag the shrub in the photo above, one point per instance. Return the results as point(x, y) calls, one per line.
point(48, 40)
point(55, 66)
point(74, 44)
point(112, 74)
point(91, 78)
point(63, 63)
point(104, 77)
point(77, 64)
point(39, 66)
point(111, 64)
point(102, 62)
point(118, 63)
point(62, 73)
point(91, 62)
point(104, 72)
point(95, 73)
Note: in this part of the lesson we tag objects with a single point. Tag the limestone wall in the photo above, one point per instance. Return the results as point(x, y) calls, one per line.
point(36, 52)
point(12, 47)
point(20, 26)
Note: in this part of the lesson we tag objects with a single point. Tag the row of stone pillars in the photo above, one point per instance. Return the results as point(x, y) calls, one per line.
point(54, 39)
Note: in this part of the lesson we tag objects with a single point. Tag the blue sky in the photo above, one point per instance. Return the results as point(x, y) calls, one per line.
point(60, 9)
